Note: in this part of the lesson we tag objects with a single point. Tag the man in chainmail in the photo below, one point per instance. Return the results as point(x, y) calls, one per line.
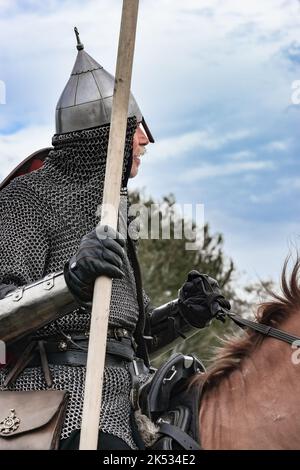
point(47, 224)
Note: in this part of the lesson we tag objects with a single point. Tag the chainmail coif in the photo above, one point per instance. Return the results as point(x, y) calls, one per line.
point(43, 216)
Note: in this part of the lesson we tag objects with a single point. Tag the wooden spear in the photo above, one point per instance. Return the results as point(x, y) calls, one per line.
point(111, 198)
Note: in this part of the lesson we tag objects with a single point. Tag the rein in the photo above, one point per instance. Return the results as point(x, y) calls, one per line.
point(260, 328)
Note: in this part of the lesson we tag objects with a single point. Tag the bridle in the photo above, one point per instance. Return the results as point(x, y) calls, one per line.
point(265, 330)
point(218, 309)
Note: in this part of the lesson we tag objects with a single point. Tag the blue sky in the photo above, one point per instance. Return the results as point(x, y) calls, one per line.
point(214, 80)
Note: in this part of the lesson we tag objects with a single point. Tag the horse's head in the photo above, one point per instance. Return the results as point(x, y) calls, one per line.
point(252, 390)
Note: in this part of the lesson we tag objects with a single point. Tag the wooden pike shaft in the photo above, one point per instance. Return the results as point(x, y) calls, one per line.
point(111, 198)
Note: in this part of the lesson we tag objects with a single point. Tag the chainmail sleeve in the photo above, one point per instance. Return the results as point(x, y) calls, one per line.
point(23, 237)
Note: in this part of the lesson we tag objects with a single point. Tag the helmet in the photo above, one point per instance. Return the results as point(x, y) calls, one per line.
point(86, 101)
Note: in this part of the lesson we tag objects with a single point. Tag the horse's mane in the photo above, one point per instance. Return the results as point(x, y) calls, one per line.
point(272, 312)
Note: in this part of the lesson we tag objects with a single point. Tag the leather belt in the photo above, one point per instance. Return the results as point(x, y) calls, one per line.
point(64, 353)
point(122, 348)
point(74, 358)
point(68, 350)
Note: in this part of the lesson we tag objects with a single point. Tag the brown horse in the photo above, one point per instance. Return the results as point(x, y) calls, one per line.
point(251, 396)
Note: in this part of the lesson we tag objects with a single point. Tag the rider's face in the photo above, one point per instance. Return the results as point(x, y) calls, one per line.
point(140, 140)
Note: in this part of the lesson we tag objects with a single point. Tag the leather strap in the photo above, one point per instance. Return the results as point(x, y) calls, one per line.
point(121, 348)
point(45, 364)
point(183, 439)
point(22, 362)
point(140, 327)
point(264, 329)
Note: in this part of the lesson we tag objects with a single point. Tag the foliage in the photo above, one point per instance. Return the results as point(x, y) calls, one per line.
point(166, 262)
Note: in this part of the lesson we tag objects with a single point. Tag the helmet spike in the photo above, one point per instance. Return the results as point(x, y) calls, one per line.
point(79, 46)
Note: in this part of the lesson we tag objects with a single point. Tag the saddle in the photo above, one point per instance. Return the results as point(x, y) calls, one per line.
point(172, 403)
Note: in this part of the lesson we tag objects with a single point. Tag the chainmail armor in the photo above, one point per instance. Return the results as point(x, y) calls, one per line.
point(43, 216)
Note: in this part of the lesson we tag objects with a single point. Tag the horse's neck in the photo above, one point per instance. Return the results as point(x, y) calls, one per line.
point(256, 406)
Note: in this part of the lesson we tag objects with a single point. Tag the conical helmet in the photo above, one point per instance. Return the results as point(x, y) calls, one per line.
point(86, 101)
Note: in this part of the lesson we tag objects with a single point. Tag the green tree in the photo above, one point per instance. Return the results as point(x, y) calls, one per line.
point(166, 262)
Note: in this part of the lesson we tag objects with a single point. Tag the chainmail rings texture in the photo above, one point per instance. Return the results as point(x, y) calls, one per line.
point(43, 216)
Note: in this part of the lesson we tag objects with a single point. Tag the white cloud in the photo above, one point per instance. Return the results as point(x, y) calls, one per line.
point(258, 248)
point(289, 184)
point(184, 60)
point(280, 188)
point(262, 198)
point(180, 145)
point(277, 146)
point(227, 169)
point(241, 155)
point(6, 4)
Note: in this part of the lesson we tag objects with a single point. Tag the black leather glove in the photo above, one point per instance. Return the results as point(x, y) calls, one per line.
point(100, 253)
point(200, 299)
